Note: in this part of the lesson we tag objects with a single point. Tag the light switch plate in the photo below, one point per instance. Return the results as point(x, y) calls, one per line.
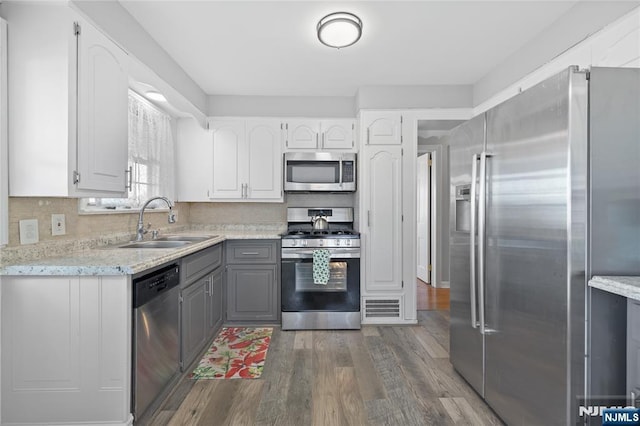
point(58, 226)
point(29, 231)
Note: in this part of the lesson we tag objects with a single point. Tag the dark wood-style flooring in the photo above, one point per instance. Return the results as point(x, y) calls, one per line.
point(384, 375)
point(429, 298)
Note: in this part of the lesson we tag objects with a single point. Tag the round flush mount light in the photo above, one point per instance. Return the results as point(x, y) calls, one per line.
point(339, 29)
point(155, 96)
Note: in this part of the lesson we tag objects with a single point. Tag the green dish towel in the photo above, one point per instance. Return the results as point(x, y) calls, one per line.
point(321, 266)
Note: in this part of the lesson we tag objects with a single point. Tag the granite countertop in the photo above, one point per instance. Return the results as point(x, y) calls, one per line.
point(627, 286)
point(111, 260)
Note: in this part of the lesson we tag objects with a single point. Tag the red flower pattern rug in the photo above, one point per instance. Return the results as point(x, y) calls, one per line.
point(236, 353)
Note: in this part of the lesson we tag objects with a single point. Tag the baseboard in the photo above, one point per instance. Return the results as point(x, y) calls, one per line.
point(444, 284)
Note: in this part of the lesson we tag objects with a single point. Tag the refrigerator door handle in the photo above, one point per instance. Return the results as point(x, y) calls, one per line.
point(482, 208)
point(472, 240)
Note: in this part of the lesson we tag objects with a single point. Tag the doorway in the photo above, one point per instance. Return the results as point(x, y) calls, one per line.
point(432, 215)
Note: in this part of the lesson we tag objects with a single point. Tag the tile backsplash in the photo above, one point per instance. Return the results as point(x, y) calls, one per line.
point(80, 226)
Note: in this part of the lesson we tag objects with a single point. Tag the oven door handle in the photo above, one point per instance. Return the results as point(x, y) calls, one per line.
point(336, 254)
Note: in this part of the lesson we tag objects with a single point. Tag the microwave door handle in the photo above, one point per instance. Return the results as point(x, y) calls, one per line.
point(340, 173)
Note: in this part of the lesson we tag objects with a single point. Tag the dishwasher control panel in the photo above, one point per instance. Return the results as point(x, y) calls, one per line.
point(152, 284)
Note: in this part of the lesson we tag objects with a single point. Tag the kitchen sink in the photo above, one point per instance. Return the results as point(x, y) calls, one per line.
point(190, 238)
point(155, 244)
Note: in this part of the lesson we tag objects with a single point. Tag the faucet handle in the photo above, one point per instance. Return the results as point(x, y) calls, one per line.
point(172, 217)
point(154, 234)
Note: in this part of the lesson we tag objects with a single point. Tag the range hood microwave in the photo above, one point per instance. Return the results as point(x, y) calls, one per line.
point(319, 171)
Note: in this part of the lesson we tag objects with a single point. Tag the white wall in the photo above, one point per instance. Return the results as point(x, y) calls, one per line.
point(281, 106)
point(616, 45)
point(114, 20)
point(581, 21)
point(409, 97)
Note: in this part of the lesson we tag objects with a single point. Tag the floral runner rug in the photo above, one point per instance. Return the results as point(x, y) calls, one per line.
point(236, 353)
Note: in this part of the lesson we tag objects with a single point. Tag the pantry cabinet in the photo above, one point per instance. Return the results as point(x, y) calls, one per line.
point(388, 290)
point(69, 90)
point(319, 135)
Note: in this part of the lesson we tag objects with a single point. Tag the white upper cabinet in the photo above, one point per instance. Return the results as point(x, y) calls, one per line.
point(320, 135)
point(102, 112)
point(247, 160)
point(264, 169)
point(229, 159)
point(302, 134)
point(382, 128)
point(68, 103)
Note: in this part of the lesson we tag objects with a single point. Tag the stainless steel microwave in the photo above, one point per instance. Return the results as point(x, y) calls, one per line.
point(319, 171)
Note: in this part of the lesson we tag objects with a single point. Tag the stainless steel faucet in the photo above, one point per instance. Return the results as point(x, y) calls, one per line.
point(141, 231)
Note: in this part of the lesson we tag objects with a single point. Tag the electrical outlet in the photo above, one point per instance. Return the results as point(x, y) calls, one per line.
point(29, 231)
point(58, 226)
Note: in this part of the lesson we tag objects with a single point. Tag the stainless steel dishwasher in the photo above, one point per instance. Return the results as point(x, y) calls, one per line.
point(156, 344)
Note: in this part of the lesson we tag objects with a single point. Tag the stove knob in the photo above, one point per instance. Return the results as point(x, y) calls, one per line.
point(320, 243)
point(294, 243)
point(337, 243)
point(347, 242)
point(304, 243)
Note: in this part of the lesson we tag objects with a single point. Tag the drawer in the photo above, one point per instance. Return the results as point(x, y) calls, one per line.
point(252, 251)
point(194, 265)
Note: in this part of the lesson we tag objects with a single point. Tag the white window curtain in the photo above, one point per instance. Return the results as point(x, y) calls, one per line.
point(151, 151)
point(151, 158)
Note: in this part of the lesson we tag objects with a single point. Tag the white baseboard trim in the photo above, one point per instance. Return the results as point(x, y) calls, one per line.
point(444, 284)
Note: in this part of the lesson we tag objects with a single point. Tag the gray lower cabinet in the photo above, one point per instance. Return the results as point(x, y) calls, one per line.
point(253, 281)
point(216, 306)
point(194, 319)
point(202, 301)
point(633, 350)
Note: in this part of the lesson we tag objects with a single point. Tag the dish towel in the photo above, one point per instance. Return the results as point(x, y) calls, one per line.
point(321, 266)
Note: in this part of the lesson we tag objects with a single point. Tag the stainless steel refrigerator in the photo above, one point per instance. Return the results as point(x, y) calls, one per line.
point(533, 181)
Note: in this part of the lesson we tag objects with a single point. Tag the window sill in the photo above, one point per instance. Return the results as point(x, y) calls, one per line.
point(136, 210)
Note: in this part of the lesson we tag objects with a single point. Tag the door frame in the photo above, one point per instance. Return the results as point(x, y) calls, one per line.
point(436, 158)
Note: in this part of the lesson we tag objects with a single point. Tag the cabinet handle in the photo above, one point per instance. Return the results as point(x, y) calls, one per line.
point(208, 289)
point(368, 218)
point(316, 140)
point(129, 182)
point(323, 138)
point(633, 399)
point(367, 136)
point(250, 253)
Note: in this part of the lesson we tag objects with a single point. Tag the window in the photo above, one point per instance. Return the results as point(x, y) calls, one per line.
point(151, 154)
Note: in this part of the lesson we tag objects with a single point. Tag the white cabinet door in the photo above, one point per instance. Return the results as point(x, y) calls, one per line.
point(195, 161)
point(383, 203)
point(338, 134)
point(229, 157)
point(264, 162)
point(103, 75)
point(382, 128)
point(303, 134)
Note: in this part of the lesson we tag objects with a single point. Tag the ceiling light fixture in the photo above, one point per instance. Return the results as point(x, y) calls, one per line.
point(155, 96)
point(339, 29)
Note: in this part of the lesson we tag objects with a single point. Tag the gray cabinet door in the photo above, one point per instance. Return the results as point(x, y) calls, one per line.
point(195, 329)
point(252, 293)
point(215, 301)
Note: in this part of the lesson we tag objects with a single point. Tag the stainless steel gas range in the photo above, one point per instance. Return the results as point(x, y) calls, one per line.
point(334, 304)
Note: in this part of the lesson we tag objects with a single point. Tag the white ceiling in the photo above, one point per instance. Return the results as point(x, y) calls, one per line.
point(270, 48)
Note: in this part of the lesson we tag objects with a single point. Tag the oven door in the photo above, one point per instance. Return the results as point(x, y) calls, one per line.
point(300, 294)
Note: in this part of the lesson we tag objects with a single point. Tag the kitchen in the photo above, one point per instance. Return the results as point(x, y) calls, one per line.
point(384, 121)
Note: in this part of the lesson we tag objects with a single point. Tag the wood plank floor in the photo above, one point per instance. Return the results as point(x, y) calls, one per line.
point(431, 298)
point(375, 376)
